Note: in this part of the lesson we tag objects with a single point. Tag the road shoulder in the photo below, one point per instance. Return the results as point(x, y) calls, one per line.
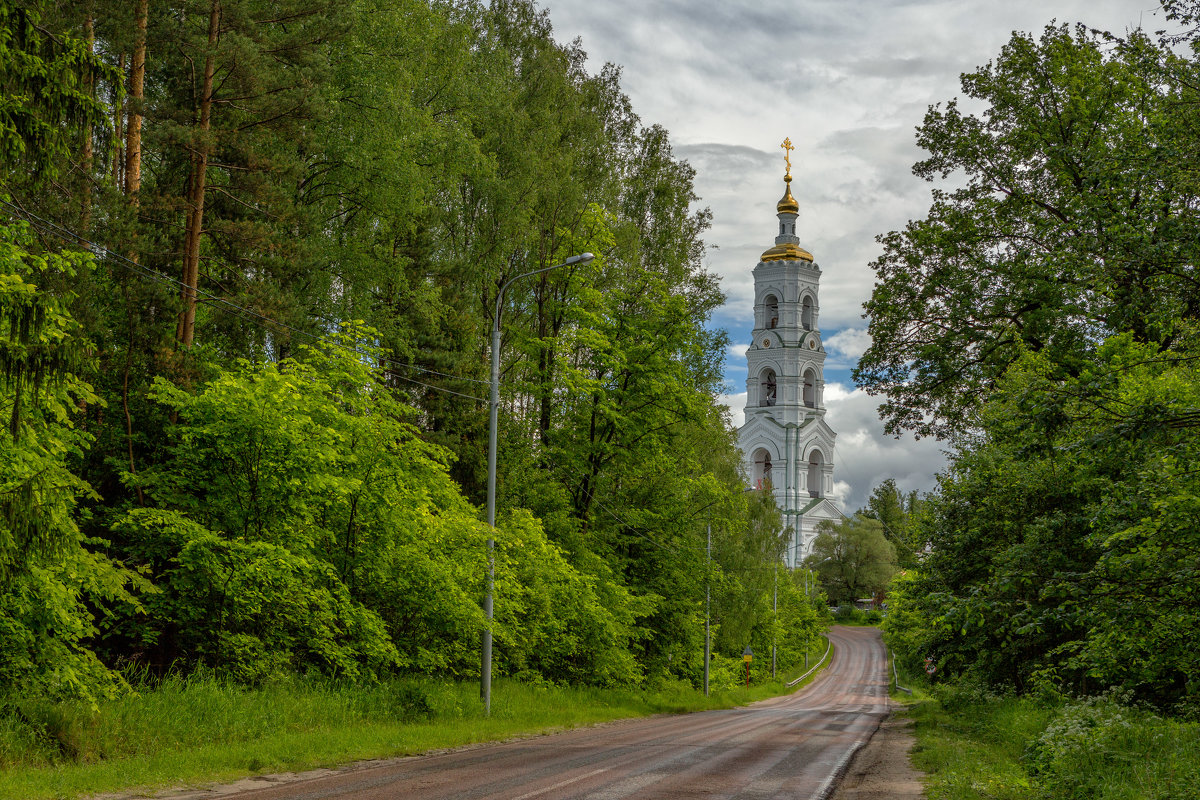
point(881, 769)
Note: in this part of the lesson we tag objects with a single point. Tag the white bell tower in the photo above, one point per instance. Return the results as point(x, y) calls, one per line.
point(787, 447)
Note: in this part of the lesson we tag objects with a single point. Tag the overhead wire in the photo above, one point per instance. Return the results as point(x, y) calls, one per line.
point(625, 523)
point(242, 312)
point(264, 321)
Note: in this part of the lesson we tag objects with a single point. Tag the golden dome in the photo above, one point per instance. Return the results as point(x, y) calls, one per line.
point(788, 204)
point(787, 252)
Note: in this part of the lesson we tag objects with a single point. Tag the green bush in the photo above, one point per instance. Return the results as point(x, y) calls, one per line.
point(848, 614)
point(974, 742)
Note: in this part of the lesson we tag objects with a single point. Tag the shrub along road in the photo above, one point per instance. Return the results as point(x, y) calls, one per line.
point(790, 746)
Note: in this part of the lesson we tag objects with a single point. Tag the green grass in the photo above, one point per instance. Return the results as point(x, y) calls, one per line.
point(976, 751)
point(856, 617)
point(975, 745)
point(195, 730)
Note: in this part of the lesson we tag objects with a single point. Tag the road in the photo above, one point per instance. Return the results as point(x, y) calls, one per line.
point(786, 747)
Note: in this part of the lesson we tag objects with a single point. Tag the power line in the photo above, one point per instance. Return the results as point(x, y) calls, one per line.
point(257, 318)
point(625, 523)
point(247, 314)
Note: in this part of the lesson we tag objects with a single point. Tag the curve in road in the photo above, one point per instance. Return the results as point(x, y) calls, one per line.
point(794, 746)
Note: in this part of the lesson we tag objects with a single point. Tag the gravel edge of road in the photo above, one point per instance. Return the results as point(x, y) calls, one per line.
point(888, 746)
point(834, 781)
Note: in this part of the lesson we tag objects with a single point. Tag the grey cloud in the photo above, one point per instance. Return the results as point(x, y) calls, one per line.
point(897, 67)
point(875, 145)
point(725, 163)
point(848, 81)
point(865, 456)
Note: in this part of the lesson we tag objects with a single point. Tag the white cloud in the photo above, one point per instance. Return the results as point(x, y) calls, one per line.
point(736, 403)
point(866, 456)
point(851, 342)
point(848, 82)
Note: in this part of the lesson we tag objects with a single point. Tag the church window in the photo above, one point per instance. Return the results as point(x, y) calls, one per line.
point(762, 469)
point(810, 388)
point(816, 474)
point(766, 387)
point(806, 314)
point(771, 305)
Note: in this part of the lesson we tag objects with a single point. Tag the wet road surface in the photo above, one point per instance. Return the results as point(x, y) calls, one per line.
point(786, 747)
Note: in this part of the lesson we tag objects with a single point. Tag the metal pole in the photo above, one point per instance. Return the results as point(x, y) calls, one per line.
point(485, 669)
point(707, 578)
point(775, 627)
point(485, 666)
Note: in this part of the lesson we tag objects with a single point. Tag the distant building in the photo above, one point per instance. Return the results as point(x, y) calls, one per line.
point(786, 444)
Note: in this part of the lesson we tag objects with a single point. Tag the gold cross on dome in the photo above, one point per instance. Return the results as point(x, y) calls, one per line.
point(787, 154)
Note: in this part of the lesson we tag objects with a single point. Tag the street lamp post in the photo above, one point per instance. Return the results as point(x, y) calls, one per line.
point(485, 669)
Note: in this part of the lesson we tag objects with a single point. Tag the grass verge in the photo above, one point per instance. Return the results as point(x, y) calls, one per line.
point(197, 729)
point(973, 745)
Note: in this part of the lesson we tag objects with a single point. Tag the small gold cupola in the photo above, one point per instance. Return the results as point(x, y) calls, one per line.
point(787, 244)
point(788, 204)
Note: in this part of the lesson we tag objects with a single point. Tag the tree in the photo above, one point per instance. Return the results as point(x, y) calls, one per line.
point(893, 508)
point(44, 94)
point(54, 582)
point(297, 166)
point(853, 558)
point(1076, 218)
point(750, 556)
point(1059, 548)
point(1060, 283)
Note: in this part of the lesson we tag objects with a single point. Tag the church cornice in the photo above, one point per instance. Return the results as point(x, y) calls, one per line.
point(786, 251)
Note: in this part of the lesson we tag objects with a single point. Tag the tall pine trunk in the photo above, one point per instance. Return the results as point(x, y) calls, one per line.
point(118, 113)
point(137, 83)
point(186, 331)
point(87, 156)
point(133, 185)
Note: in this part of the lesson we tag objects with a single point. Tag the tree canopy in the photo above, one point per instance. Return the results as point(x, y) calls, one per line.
point(853, 558)
point(1075, 218)
point(249, 260)
point(1043, 317)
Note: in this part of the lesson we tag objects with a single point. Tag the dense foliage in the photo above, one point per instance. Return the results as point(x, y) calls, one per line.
point(249, 263)
point(853, 558)
point(895, 511)
point(1044, 316)
point(1042, 748)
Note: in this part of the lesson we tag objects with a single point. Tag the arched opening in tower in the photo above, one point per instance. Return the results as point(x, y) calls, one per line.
point(810, 388)
point(806, 314)
point(762, 469)
point(816, 476)
point(766, 387)
point(771, 306)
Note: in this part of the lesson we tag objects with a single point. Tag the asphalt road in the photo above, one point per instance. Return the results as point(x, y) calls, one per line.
point(787, 747)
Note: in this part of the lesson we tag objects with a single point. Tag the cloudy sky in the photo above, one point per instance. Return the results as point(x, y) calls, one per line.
point(847, 81)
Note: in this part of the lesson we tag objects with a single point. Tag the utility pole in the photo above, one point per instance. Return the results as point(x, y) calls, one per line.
point(775, 627)
point(707, 579)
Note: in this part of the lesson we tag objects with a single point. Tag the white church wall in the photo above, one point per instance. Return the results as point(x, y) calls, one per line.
point(791, 429)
